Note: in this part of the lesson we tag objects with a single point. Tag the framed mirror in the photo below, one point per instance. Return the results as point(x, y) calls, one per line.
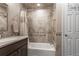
point(3, 17)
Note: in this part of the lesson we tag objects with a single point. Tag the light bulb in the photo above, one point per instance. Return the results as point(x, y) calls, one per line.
point(38, 4)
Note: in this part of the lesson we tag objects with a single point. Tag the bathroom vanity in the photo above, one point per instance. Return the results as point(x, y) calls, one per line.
point(14, 46)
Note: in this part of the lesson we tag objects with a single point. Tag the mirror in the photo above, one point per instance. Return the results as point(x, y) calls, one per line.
point(3, 17)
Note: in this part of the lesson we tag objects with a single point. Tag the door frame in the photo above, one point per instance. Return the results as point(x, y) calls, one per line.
point(59, 29)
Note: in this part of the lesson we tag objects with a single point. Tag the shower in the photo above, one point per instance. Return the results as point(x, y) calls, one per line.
point(40, 27)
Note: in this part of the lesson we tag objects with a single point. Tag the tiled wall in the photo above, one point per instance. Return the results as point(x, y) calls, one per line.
point(13, 13)
point(39, 25)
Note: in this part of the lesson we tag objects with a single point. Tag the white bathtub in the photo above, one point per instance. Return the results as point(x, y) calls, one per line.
point(40, 49)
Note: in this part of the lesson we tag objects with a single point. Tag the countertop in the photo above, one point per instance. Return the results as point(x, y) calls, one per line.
point(10, 40)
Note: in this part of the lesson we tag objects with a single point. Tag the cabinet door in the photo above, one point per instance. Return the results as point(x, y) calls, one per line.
point(23, 51)
point(14, 53)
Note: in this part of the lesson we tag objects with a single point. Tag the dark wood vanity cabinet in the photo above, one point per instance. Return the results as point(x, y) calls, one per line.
point(15, 49)
point(19, 52)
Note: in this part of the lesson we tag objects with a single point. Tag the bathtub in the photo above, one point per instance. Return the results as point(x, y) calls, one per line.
point(40, 49)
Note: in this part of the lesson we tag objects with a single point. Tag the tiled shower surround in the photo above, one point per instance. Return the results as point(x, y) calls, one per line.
point(40, 25)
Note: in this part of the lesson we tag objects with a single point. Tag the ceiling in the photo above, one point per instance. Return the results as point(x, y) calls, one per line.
point(42, 5)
